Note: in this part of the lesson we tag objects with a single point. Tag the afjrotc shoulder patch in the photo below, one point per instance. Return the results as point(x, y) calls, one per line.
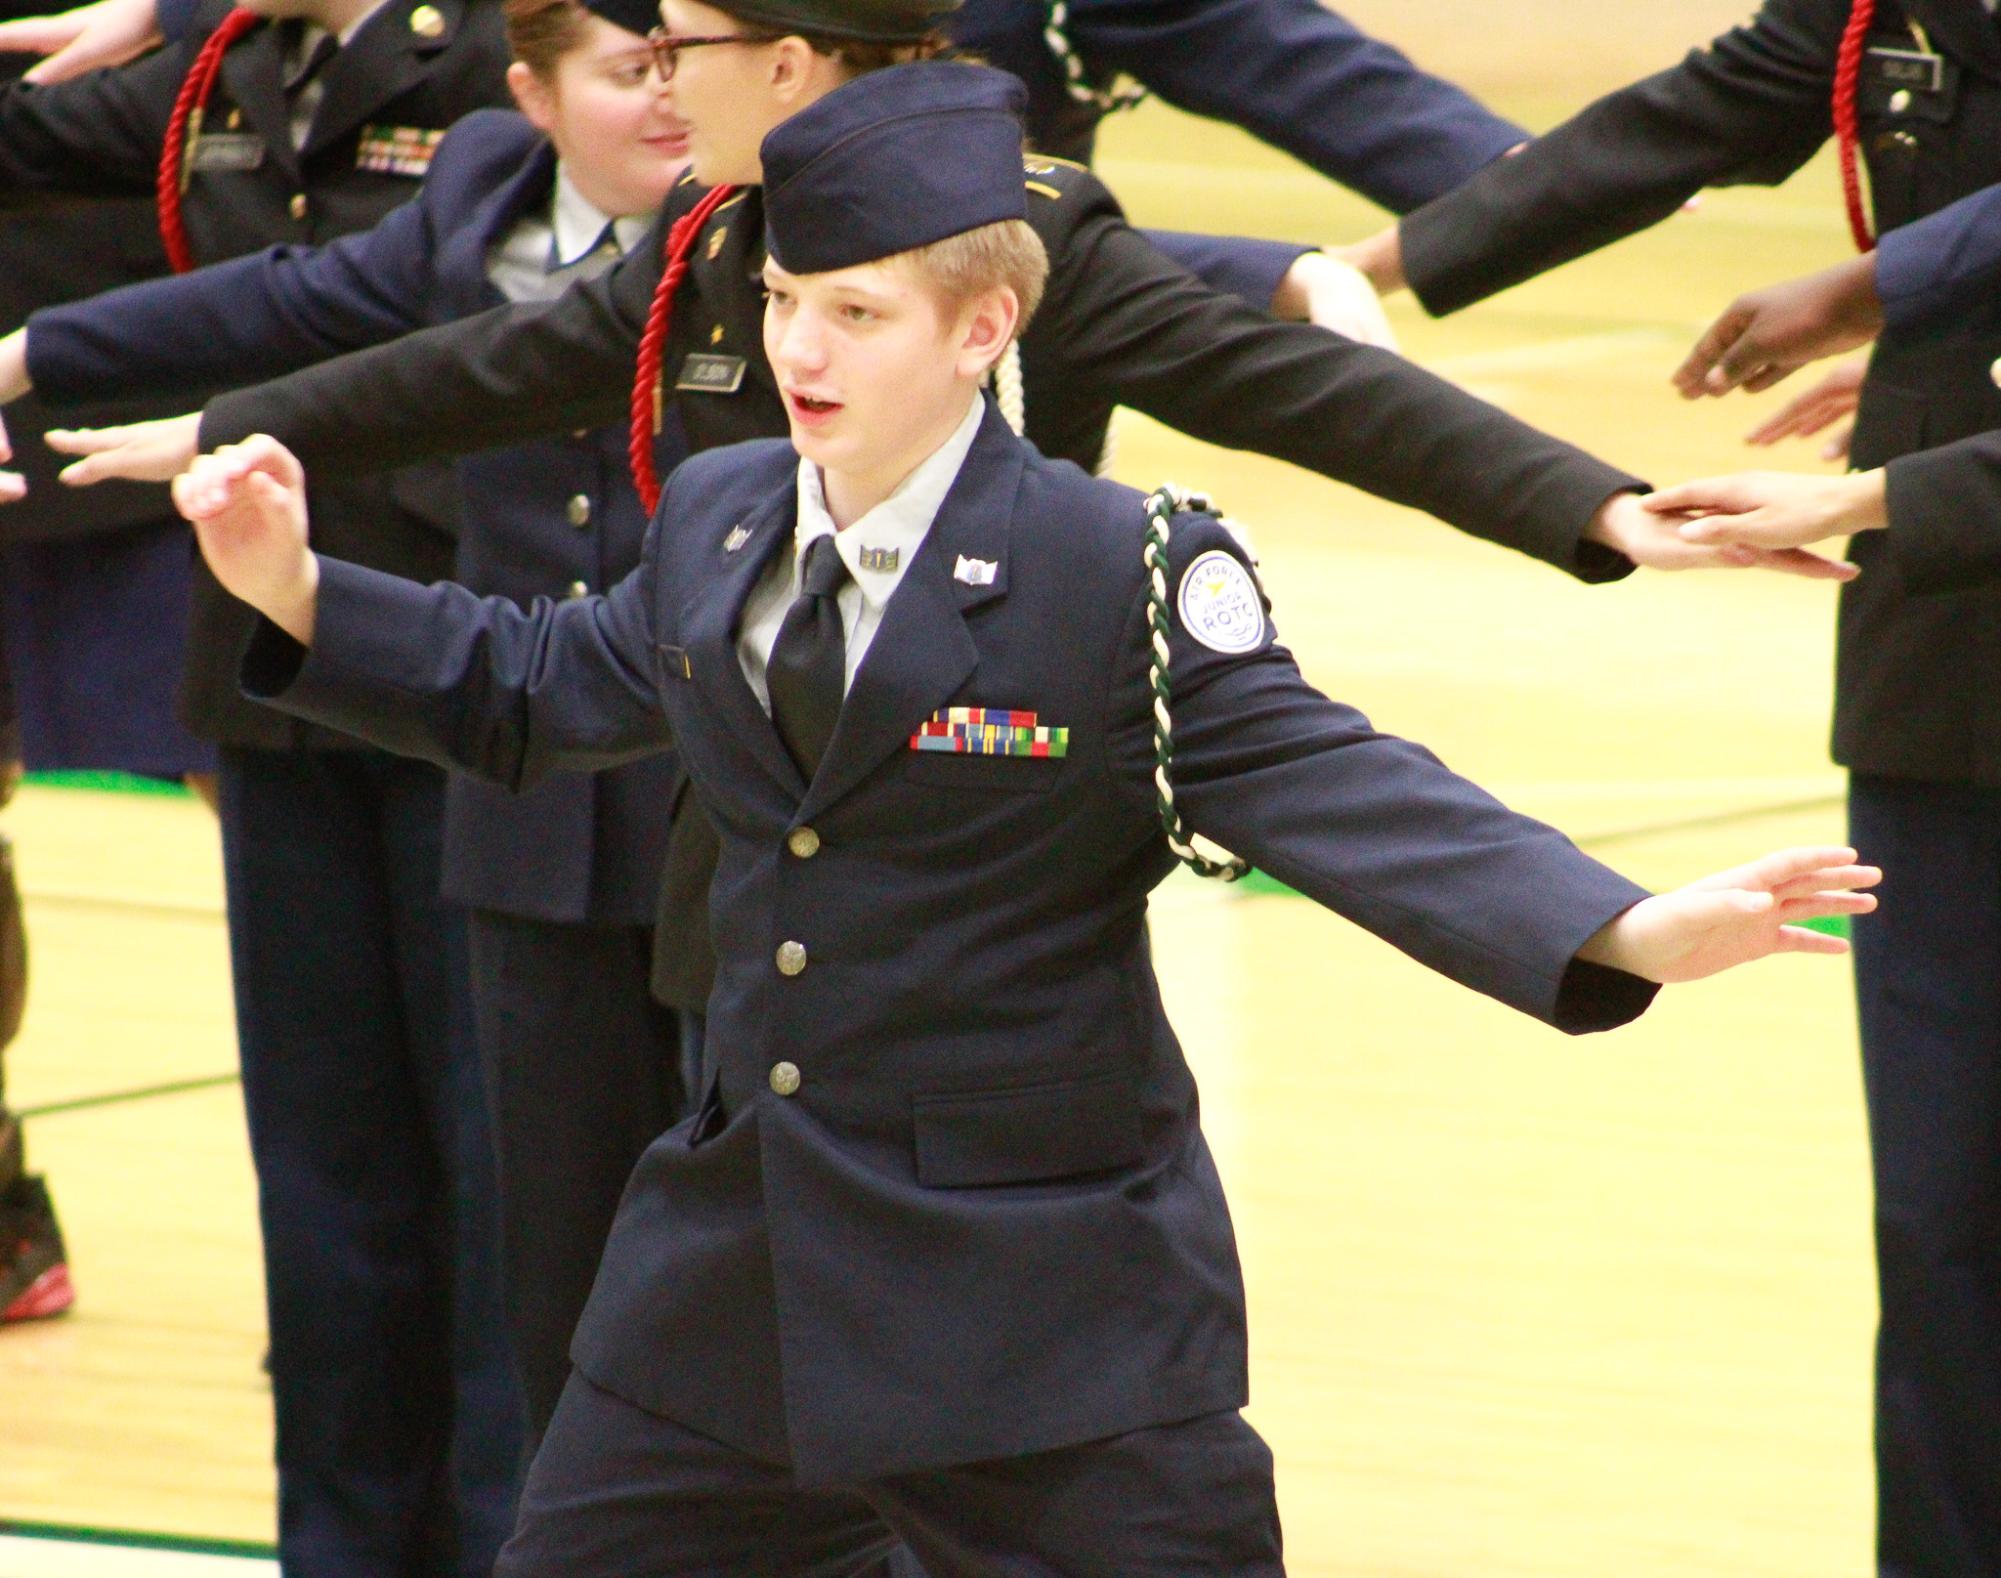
point(397, 150)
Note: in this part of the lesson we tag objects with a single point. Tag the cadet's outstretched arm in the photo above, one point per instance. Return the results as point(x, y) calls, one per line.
point(433, 672)
point(506, 375)
point(1122, 320)
point(1379, 830)
point(99, 135)
point(1751, 107)
point(228, 323)
point(1306, 80)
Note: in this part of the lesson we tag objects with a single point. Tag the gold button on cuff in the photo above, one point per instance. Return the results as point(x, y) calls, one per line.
point(297, 206)
point(791, 958)
point(427, 21)
point(579, 589)
point(1994, 372)
point(1900, 101)
point(785, 1078)
point(579, 509)
point(803, 842)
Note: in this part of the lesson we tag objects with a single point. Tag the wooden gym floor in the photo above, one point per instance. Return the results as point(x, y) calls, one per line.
point(1522, 1306)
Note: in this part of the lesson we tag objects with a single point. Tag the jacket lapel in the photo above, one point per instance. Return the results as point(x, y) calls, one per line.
point(922, 653)
point(463, 262)
point(253, 77)
point(384, 60)
point(711, 623)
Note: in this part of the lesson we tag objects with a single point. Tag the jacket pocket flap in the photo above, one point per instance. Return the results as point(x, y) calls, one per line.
point(1029, 1133)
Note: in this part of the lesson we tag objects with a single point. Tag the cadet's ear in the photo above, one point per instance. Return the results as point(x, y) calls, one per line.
point(794, 71)
point(534, 96)
point(986, 325)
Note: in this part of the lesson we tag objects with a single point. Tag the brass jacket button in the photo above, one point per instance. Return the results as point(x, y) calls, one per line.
point(803, 842)
point(580, 510)
point(791, 958)
point(785, 1078)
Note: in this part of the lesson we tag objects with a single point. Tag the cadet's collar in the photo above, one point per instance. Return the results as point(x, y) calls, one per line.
point(580, 225)
point(878, 548)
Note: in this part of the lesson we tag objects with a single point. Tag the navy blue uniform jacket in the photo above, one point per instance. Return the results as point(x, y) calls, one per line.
point(985, 1221)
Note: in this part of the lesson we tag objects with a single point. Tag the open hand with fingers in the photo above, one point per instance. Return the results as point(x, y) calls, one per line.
point(247, 503)
point(1652, 538)
point(1827, 402)
point(1772, 511)
point(87, 38)
point(1766, 335)
point(156, 451)
point(1736, 916)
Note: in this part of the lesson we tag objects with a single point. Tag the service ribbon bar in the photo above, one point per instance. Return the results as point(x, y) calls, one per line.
point(989, 731)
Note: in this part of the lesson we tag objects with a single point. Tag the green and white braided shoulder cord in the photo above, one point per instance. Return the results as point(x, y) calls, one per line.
point(1056, 33)
point(1161, 507)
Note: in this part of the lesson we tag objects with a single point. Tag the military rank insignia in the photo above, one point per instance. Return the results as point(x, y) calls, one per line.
point(989, 731)
point(397, 150)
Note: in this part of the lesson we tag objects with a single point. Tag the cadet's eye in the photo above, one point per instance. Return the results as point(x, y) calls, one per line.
point(855, 313)
point(631, 76)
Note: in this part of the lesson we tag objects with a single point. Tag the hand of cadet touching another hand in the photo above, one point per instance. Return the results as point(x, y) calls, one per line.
point(107, 33)
point(1736, 916)
point(1379, 258)
point(1834, 397)
point(157, 451)
point(1767, 510)
point(13, 384)
point(1326, 290)
point(247, 503)
point(1769, 334)
point(1654, 540)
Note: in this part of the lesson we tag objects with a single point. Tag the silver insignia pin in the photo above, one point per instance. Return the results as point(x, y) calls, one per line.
point(736, 539)
point(975, 572)
point(883, 560)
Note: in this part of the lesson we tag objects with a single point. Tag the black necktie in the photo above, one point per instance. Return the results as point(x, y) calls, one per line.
point(808, 670)
point(305, 68)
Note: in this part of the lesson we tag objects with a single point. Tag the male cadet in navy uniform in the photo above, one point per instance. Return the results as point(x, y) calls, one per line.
point(1921, 735)
point(397, 1410)
point(942, 1252)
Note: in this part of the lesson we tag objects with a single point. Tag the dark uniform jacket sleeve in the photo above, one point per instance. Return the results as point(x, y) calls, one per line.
point(1289, 71)
point(1119, 322)
point(1945, 519)
point(1752, 106)
point(98, 134)
point(1938, 266)
point(1374, 827)
point(512, 373)
point(1240, 266)
point(265, 314)
point(476, 684)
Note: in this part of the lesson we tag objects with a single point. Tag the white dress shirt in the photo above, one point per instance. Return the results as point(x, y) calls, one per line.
point(551, 248)
point(900, 523)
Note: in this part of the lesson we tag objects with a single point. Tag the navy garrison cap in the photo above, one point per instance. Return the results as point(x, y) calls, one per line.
point(863, 21)
point(894, 159)
point(635, 16)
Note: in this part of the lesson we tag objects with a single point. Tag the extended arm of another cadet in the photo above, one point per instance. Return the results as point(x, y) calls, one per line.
point(1940, 507)
point(1753, 106)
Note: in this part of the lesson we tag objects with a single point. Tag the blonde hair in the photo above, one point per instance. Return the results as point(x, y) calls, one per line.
point(1006, 253)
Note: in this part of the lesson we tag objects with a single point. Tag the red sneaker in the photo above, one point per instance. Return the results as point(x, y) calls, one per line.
point(34, 1270)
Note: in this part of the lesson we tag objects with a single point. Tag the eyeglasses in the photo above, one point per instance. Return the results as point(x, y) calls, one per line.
point(667, 46)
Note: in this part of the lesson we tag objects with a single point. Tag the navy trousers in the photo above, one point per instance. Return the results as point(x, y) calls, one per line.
point(1928, 977)
point(584, 1070)
point(398, 1412)
point(617, 1492)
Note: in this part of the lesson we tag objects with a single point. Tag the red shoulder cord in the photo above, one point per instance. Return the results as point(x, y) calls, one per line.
point(653, 344)
point(1847, 75)
point(186, 122)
